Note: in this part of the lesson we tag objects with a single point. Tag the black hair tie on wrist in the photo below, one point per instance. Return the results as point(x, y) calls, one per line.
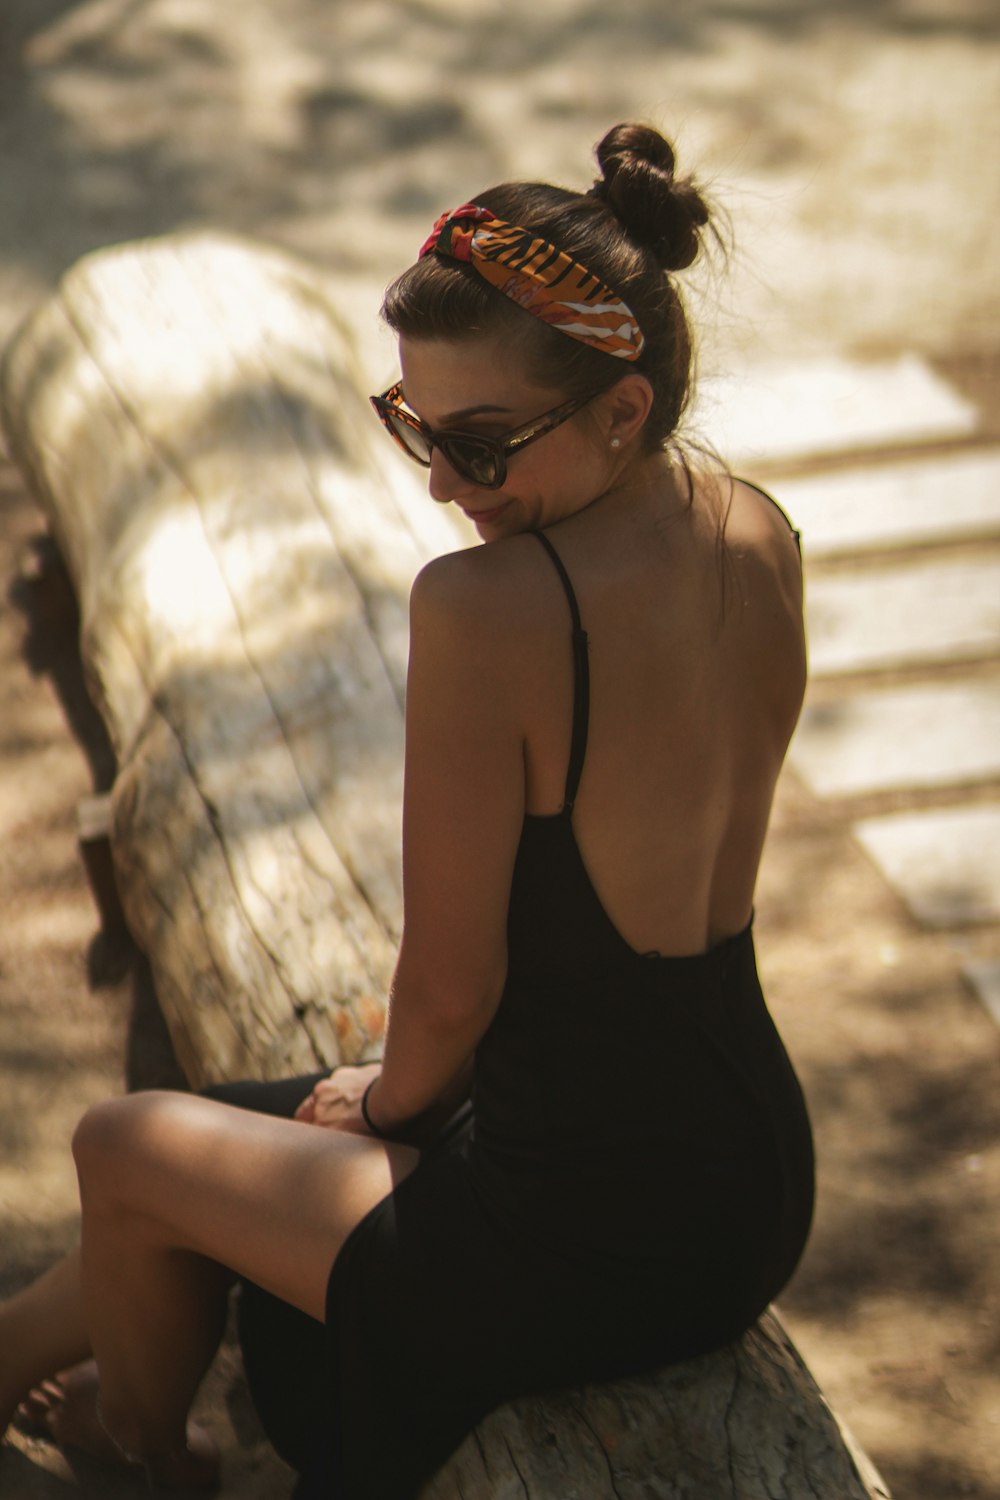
point(383, 1135)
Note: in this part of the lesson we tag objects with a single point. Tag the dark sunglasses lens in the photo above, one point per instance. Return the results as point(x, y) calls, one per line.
point(476, 461)
point(409, 437)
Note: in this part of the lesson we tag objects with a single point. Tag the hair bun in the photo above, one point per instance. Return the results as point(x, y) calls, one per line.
point(656, 208)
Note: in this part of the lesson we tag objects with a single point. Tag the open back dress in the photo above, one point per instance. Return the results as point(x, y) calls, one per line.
point(631, 1184)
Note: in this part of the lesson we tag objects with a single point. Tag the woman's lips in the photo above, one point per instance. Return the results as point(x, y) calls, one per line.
point(478, 517)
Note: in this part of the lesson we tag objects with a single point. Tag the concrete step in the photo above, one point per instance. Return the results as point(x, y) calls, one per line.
point(939, 498)
point(944, 864)
point(903, 614)
point(983, 976)
point(828, 406)
point(900, 737)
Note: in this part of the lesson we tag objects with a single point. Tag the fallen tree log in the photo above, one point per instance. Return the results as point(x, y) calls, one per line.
point(189, 415)
point(747, 1423)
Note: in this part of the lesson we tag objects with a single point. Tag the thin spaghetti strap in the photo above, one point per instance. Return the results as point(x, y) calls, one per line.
point(581, 680)
point(780, 509)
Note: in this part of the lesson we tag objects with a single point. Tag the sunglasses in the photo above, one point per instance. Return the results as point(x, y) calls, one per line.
point(482, 460)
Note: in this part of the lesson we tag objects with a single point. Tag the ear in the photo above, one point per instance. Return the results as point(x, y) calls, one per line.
point(623, 408)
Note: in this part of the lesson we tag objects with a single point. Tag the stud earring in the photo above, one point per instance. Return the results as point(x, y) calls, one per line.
point(616, 442)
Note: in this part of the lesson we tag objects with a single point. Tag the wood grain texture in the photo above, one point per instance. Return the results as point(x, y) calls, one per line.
point(747, 1423)
point(189, 413)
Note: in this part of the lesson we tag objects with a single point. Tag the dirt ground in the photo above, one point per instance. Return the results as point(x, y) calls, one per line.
point(118, 118)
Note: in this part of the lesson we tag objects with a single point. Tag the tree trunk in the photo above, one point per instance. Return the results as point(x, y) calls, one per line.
point(189, 413)
point(747, 1423)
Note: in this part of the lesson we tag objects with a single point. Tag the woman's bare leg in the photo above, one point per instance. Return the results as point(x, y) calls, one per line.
point(42, 1331)
point(172, 1189)
point(152, 1354)
point(45, 1365)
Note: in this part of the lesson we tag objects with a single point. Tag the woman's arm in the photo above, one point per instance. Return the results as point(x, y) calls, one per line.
point(463, 807)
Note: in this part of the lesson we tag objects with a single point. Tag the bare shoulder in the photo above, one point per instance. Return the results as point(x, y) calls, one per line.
point(483, 617)
point(746, 527)
point(482, 590)
point(763, 594)
point(758, 531)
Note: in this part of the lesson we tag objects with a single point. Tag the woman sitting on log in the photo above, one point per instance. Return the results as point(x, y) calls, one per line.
point(585, 1152)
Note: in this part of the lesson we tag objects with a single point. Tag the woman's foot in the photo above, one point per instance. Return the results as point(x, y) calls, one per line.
point(65, 1407)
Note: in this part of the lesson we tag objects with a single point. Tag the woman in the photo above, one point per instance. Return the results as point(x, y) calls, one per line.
point(599, 702)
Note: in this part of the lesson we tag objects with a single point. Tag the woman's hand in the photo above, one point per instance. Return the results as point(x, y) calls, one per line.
point(336, 1101)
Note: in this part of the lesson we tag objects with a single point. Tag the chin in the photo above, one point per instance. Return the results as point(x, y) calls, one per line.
point(493, 521)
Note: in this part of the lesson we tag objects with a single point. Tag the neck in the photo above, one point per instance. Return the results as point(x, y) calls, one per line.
point(654, 476)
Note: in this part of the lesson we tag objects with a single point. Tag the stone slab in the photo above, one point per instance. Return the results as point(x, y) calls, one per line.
point(983, 976)
point(943, 863)
point(900, 738)
point(904, 614)
point(934, 499)
point(827, 406)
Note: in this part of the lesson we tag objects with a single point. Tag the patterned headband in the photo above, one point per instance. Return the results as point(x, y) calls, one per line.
point(543, 280)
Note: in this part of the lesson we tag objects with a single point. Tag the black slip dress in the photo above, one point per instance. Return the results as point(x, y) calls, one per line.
point(631, 1184)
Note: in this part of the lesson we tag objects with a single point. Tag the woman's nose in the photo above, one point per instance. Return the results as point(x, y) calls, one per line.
point(444, 483)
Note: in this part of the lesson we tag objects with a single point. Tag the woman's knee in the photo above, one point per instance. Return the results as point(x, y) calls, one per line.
point(116, 1137)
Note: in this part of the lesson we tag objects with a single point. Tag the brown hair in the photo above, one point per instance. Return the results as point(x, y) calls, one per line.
point(636, 225)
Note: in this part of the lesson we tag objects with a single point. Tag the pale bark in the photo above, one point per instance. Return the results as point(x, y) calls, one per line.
point(747, 1423)
point(189, 413)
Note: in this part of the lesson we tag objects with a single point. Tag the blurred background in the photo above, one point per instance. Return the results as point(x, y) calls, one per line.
point(854, 144)
point(853, 150)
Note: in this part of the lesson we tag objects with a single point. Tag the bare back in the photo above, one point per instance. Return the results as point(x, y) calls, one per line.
point(697, 666)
